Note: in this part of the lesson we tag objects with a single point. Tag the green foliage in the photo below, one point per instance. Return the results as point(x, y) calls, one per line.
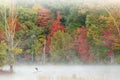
point(27, 15)
point(94, 36)
point(59, 46)
point(37, 46)
point(16, 51)
point(29, 37)
point(117, 57)
point(2, 53)
point(96, 18)
point(100, 52)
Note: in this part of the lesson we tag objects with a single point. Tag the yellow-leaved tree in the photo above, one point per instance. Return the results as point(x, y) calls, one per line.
point(10, 28)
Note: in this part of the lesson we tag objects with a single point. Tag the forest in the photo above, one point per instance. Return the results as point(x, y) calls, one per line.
point(59, 32)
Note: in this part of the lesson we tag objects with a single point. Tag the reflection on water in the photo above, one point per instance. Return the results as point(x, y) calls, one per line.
point(48, 72)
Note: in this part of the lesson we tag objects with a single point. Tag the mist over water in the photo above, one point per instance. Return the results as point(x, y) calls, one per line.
point(53, 72)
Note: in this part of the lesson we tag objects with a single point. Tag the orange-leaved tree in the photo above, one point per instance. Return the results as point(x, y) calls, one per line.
point(10, 28)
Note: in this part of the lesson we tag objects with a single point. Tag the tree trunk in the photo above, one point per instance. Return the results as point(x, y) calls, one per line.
point(11, 67)
point(112, 59)
point(43, 56)
point(10, 61)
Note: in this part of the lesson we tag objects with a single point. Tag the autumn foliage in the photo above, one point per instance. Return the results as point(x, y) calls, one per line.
point(116, 44)
point(43, 17)
point(1, 35)
point(82, 46)
point(109, 40)
point(56, 26)
point(13, 23)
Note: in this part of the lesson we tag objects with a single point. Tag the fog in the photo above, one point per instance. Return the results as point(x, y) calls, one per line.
point(62, 72)
point(53, 72)
point(64, 1)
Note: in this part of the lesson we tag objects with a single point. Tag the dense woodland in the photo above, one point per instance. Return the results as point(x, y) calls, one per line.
point(59, 32)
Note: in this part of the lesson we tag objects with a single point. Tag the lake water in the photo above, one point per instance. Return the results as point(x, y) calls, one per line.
point(55, 72)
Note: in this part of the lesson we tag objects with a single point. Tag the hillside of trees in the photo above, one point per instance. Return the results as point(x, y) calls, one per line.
point(59, 32)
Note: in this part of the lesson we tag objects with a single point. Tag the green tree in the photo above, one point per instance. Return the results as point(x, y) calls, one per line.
point(95, 22)
point(59, 48)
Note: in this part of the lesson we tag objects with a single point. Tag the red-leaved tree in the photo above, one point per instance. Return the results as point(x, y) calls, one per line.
point(56, 26)
point(109, 40)
point(81, 45)
point(43, 17)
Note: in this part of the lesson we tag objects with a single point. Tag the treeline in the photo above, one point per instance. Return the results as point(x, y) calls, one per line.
point(57, 32)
